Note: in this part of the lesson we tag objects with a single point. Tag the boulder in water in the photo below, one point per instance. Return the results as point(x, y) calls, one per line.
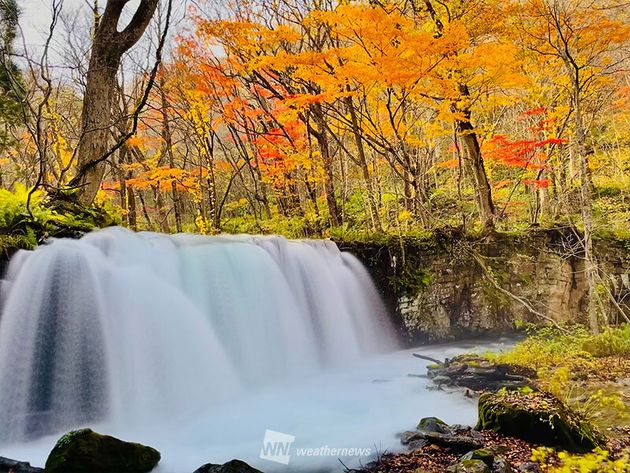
point(233, 466)
point(13, 466)
point(539, 418)
point(82, 451)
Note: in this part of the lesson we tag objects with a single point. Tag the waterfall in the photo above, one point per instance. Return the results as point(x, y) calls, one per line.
point(133, 328)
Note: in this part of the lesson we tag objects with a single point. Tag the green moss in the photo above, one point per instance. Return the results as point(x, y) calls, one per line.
point(84, 451)
point(472, 466)
point(411, 282)
point(539, 418)
point(10, 243)
point(482, 454)
point(433, 424)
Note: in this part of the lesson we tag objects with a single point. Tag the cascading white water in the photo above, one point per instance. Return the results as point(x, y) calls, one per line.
point(139, 328)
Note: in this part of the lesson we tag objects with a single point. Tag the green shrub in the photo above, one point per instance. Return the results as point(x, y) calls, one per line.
point(614, 341)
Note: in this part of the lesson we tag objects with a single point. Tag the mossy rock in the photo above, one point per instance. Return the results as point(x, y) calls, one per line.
point(433, 424)
point(538, 418)
point(469, 466)
point(482, 454)
point(83, 451)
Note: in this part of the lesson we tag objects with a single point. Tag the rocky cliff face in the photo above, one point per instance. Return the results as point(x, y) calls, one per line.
point(451, 286)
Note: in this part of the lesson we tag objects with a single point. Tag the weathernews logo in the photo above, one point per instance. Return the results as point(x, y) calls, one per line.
point(277, 448)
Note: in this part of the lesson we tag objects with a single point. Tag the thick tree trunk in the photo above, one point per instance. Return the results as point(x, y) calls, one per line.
point(108, 47)
point(465, 129)
point(483, 190)
point(162, 210)
point(95, 141)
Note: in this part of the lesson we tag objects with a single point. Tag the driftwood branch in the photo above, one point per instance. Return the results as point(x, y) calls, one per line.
point(427, 358)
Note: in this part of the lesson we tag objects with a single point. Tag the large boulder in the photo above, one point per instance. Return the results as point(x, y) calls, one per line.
point(233, 466)
point(538, 418)
point(82, 451)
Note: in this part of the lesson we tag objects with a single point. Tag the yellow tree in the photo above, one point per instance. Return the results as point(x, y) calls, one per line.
point(582, 39)
point(454, 57)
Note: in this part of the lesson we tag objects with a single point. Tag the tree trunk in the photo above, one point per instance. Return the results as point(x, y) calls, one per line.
point(321, 136)
point(108, 47)
point(132, 213)
point(168, 150)
point(586, 199)
point(464, 128)
point(483, 190)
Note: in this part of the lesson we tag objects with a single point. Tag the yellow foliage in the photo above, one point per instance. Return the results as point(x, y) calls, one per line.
point(598, 461)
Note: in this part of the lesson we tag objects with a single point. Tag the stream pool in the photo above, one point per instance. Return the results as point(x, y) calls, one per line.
point(362, 406)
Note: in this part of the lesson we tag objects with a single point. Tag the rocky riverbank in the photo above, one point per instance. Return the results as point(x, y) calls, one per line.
point(522, 425)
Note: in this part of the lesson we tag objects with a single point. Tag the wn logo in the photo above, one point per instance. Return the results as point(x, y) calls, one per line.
point(277, 447)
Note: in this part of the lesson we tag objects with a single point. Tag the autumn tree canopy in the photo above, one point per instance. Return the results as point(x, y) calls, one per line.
point(333, 118)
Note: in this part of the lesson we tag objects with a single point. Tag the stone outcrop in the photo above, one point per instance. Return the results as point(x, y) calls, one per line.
point(452, 286)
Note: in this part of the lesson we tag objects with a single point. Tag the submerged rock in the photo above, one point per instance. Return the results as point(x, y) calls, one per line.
point(410, 436)
point(233, 466)
point(13, 466)
point(417, 444)
point(456, 443)
point(82, 451)
point(539, 418)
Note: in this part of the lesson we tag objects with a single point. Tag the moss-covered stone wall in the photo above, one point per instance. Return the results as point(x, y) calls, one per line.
point(454, 286)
